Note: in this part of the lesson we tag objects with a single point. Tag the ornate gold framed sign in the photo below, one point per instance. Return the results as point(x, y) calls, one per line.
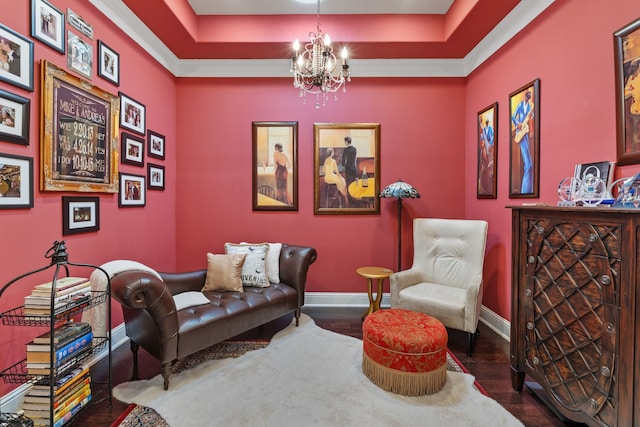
point(79, 135)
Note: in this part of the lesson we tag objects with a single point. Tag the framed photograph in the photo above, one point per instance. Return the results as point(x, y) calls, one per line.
point(275, 166)
point(156, 144)
point(132, 114)
point(346, 168)
point(15, 112)
point(16, 181)
point(80, 55)
point(16, 59)
point(78, 152)
point(132, 149)
point(488, 152)
point(108, 63)
point(602, 170)
point(155, 177)
point(133, 190)
point(627, 70)
point(80, 214)
point(47, 24)
point(524, 152)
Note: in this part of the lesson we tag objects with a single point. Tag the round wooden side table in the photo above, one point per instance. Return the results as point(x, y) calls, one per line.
point(371, 273)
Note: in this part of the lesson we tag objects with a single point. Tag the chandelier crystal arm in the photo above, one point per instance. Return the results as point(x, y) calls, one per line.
point(314, 68)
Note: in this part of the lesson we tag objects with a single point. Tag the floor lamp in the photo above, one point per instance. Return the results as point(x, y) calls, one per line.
point(400, 190)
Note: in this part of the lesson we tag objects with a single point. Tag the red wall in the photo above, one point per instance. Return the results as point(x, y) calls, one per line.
point(421, 142)
point(570, 49)
point(428, 138)
point(144, 234)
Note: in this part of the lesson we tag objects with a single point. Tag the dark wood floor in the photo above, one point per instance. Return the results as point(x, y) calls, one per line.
point(489, 365)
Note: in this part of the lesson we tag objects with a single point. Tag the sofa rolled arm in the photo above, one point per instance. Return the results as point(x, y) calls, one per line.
point(184, 282)
point(294, 265)
point(149, 311)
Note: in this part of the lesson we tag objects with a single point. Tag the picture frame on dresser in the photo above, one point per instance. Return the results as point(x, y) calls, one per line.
point(524, 141)
point(108, 63)
point(15, 114)
point(627, 74)
point(346, 168)
point(80, 214)
point(275, 166)
point(487, 184)
point(16, 58)
point(48, 24)
point(132, 114)
point(16, 181)
point(133, 190)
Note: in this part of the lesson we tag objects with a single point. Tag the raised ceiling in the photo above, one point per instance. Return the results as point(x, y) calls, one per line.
point(385, 38)
point(223, 29)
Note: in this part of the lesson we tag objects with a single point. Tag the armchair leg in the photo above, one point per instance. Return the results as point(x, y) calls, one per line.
point(297, 314)
point(471, 342)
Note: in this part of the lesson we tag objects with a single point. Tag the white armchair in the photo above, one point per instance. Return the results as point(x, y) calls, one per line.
point(445, 280)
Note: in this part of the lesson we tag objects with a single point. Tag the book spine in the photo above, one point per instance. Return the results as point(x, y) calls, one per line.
point(63, 332)
point(72, 412)
point(73, 348)
point(63, 283)
point(71, 400)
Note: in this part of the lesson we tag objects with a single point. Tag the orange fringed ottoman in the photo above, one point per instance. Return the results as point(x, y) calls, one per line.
point(405, 352)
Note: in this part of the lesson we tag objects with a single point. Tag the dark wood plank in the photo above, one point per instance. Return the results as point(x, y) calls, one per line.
point(489, 364)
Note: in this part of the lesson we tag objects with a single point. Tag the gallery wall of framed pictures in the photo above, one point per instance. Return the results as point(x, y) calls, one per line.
point(80, 152)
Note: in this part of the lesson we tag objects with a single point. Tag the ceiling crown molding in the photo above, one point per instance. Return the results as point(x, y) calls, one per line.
point(523, 14)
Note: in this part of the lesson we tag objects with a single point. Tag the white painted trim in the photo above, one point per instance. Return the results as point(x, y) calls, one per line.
point(515, 21)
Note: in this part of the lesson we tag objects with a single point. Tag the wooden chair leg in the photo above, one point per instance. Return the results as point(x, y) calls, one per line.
point(166, 373)
point(297, 314)
point(134, 349)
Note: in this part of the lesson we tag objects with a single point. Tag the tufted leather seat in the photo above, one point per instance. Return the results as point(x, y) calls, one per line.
point(152, 321)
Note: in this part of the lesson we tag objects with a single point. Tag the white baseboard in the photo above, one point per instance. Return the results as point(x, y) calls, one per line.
point(12, 401)
point(496, 323)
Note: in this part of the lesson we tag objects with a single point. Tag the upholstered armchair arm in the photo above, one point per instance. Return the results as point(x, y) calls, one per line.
point(473, 300)
point(149, 312)
point(403, 279)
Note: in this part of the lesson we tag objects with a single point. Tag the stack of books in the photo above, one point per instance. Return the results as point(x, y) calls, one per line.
point(68, 292)
point(71, 343)
point(70, 394)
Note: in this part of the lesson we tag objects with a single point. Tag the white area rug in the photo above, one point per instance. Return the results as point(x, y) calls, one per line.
point(306, 376)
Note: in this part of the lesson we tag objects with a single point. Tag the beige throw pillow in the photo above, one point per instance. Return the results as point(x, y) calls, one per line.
point(224, 273)
point(254, 269)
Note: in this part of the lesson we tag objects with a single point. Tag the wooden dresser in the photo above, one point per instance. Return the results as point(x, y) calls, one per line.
point(573, 313)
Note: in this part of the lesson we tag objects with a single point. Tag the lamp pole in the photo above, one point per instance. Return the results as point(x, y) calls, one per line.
point(399, 233)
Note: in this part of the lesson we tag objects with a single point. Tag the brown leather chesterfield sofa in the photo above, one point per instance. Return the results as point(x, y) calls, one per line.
point(152, 321)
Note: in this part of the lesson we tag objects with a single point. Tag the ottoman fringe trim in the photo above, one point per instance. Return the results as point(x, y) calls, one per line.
point(405, 383)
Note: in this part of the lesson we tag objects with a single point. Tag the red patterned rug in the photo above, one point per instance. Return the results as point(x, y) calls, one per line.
point(141, 416)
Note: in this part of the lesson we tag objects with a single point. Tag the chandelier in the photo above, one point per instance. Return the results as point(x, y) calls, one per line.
point(314, 69)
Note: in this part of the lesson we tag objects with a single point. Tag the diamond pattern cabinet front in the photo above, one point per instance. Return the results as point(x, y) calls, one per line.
point(573, 310)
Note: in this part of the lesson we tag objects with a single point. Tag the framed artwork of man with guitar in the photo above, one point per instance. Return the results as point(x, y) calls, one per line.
point(524, 113)
point(488, 152)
